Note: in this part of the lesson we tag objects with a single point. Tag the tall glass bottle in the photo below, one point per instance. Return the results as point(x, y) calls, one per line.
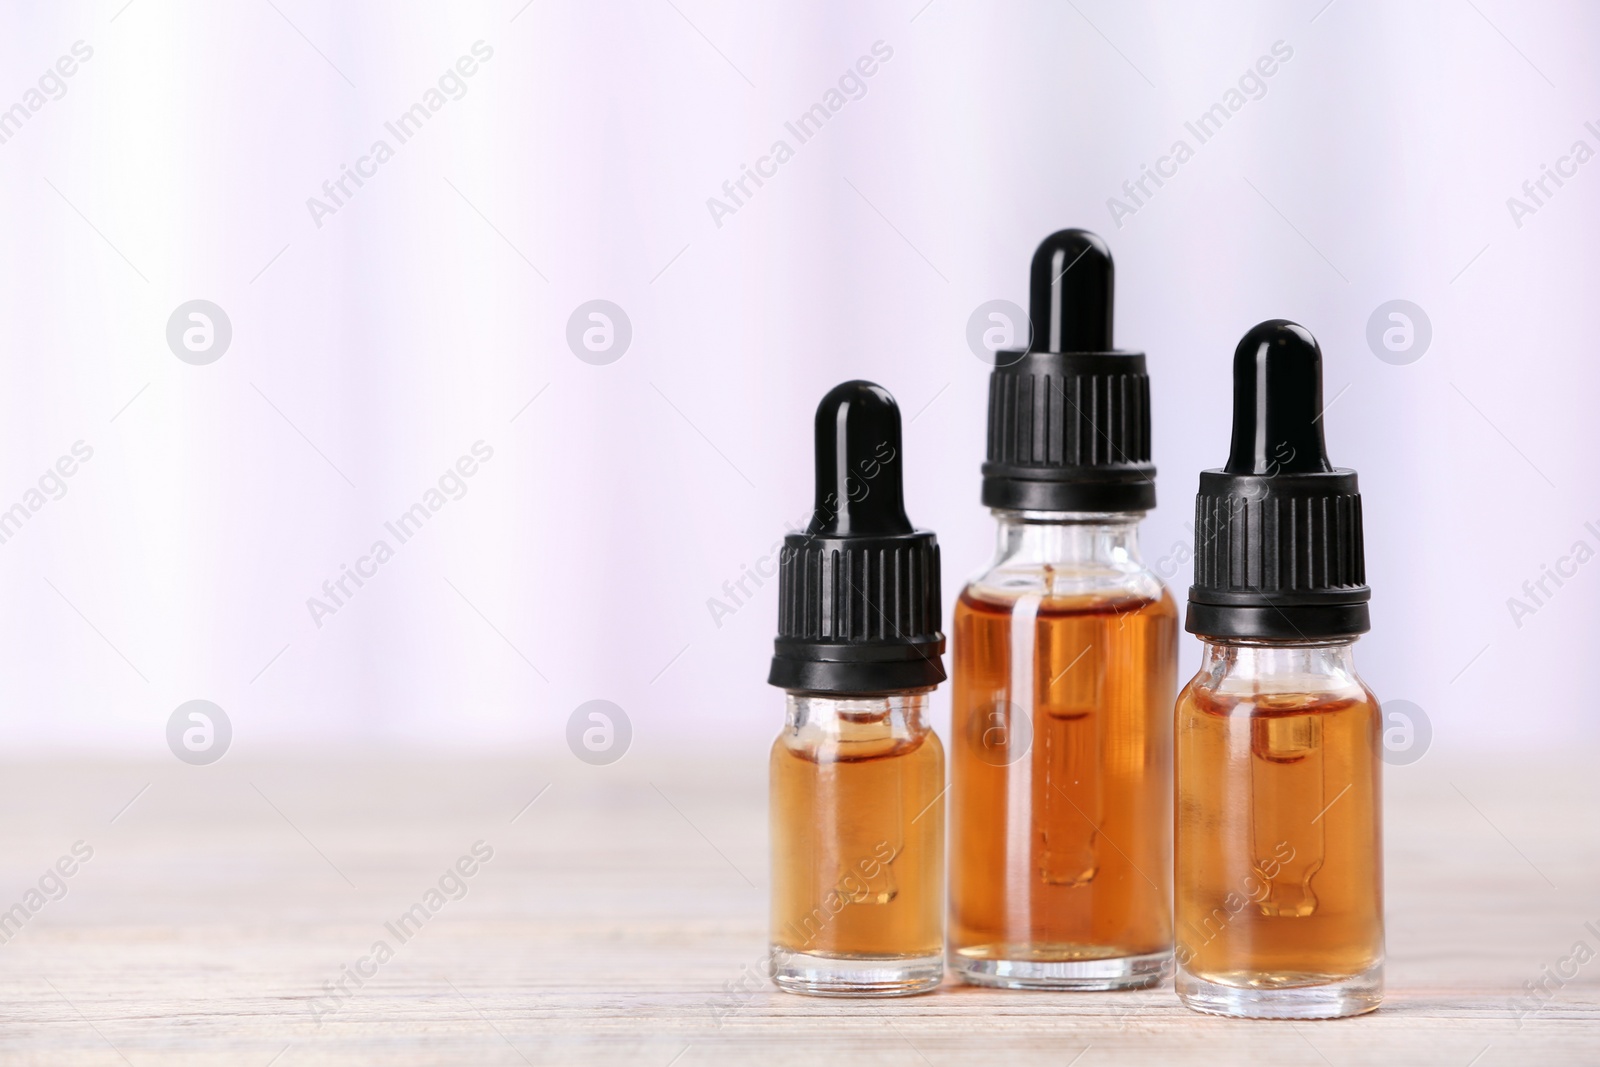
point(1065, 664)
point(1279, 907)
point(857, 775)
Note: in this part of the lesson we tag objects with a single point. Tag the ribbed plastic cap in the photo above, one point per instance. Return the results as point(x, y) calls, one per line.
point(1278, 552)
point(858, 591)
point(1069, 419)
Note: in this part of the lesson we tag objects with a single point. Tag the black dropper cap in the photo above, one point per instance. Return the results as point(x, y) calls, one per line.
point(858, 591)
point(1069, 418)
point(1277, 531)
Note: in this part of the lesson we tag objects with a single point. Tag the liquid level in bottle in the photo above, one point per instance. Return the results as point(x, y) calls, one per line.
point(858, 848)
point(1061, 788)
point(1279, 882)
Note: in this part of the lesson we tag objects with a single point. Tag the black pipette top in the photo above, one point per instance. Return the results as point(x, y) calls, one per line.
point(858, 591)
point(1278, 551)
point(1069, 418)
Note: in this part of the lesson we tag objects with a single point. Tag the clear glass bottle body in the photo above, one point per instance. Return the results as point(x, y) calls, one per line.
point(857, 812)
point(1065, 655)
point(1279, 879)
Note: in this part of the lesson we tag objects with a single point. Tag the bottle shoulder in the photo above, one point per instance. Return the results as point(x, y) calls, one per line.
point(815, 745)
point(1070, 596)
point(1092, 557)
point(854, 729)
point(1296, 685)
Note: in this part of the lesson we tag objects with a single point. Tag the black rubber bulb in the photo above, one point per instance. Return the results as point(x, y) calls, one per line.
point(1277, 402)
point(1070, 289)
point(859, 490)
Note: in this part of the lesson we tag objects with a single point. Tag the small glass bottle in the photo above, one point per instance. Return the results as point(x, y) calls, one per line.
point(858, 845)
point(857, 775)
point(1279, 880)
point(1065, 660)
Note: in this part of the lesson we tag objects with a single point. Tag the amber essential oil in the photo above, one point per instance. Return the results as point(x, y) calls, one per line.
point(1061, 742)
point(857, 788)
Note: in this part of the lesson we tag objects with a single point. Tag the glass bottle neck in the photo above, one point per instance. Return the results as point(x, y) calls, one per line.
point(1299, 666)
point(1067, 554)
point(1057, 537)
point(828, 727)
point(835, 715)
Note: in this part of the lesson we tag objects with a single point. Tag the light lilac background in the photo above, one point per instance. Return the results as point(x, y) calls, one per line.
point(368, 354)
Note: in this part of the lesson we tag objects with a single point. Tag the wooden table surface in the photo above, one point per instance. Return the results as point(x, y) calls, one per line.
point(621, 915)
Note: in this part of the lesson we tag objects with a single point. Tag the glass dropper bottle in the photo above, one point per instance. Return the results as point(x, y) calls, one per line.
point(1065, 663)
point(857, 774)
point(1279, 881)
